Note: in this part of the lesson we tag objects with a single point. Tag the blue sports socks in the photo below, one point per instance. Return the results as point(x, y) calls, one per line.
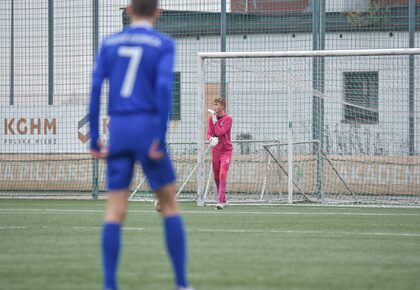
point(175, 243)
point(111, 241)
point(176, 246)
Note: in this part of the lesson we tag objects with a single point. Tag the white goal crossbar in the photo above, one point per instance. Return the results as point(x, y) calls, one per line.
point(311, 53)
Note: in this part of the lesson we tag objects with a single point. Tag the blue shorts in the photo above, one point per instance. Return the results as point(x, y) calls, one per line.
point(130, 137)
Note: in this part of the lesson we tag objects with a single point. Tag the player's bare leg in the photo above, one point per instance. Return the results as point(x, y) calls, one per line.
point(167, 199)
point(116, 206)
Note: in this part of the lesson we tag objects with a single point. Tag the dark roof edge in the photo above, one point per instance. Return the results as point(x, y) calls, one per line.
point(196, 23)
point(188, 23)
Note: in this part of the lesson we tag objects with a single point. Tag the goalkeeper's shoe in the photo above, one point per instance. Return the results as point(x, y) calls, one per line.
point(157, 206)
point(220, 206)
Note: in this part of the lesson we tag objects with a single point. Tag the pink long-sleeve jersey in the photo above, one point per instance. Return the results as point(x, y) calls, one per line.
point(221, 130)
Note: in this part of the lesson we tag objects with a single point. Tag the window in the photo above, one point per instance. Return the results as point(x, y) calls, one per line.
point(176, 97)
point(361, 90)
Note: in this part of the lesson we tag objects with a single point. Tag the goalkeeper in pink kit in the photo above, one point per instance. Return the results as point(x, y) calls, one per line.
point(218, 133)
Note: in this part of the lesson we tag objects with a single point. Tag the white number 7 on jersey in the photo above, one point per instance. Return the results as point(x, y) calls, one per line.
point(134, 53)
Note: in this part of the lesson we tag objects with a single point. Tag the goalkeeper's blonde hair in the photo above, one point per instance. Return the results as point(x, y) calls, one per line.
point(220, 101)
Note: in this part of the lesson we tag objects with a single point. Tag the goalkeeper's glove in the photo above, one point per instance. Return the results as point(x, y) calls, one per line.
point(214, 141)
point(213, 115)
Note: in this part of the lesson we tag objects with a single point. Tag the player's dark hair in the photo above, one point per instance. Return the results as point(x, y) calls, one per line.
point(221, 101)
point(144, 7)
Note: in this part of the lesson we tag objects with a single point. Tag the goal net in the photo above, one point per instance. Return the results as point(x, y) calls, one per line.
point(328, 127)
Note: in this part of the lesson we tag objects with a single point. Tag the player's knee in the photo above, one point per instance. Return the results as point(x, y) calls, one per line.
point(167, 199)
point(122, 215)
point(169, 207)
point(223, 176)
point(117, 215)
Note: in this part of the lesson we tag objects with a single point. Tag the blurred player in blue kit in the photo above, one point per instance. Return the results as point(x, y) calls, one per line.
point(138, 63)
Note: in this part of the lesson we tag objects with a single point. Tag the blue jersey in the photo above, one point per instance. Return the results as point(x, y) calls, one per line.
point(138, 63)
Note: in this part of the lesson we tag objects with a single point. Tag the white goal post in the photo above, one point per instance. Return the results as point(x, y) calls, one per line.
point(328, 127)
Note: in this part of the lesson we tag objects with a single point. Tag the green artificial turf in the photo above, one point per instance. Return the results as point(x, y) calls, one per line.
point(54, 245)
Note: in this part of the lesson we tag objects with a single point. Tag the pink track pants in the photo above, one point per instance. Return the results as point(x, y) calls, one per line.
point(221, 163)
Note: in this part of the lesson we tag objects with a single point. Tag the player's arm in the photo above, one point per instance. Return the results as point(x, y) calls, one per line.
point(219, 131)
point(210, 133)
point(163, 90)
point(209, 129)
point(98, 76)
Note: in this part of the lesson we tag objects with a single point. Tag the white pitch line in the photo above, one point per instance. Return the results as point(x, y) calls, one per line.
point(246, 231)
point(74, 227)
point(308, 232)
point(300, 213)
point(225, 212)
point(13, 228)
point(49, 210)
point(98, 228)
